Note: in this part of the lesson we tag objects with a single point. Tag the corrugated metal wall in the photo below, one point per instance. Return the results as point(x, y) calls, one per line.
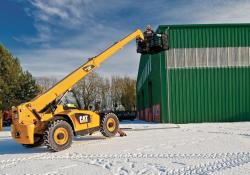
point(200, 36)
point(208, 57)
point(149, 87)
point(208, 73)
point(209, 95)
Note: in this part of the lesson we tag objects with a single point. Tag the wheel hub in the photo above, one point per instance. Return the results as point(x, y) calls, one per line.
point(61, 136)
point(111, 124)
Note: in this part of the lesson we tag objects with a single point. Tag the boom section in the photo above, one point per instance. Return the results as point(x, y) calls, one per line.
point(39, 102)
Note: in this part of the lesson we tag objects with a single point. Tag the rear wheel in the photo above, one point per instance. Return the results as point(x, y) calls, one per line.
point(109, 125)
point(58, 135)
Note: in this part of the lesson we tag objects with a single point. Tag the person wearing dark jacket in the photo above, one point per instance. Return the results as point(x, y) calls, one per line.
point(148, 32)
point(143, 45)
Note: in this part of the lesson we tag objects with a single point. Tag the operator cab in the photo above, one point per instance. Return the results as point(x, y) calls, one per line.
point(70, 101)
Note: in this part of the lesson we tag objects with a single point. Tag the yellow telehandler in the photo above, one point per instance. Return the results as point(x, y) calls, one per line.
point(54, 117)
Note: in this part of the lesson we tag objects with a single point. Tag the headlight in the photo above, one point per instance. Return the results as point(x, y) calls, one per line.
point(15, 116)
point(14, 113)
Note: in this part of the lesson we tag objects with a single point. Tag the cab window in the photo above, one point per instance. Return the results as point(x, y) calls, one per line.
point(69, 101)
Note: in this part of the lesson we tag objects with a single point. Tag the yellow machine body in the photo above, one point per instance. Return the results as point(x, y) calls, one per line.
point(24, 130)
point(30, 118)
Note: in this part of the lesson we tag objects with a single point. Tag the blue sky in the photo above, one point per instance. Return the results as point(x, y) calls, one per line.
point(53, 37)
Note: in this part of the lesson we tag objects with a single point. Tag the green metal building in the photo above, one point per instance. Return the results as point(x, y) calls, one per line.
point(203, 77)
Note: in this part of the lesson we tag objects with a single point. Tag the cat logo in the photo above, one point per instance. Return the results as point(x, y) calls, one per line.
point(82, 118)
point(88, 68)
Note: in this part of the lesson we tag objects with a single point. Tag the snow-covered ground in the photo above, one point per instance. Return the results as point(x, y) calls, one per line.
point(222, 148)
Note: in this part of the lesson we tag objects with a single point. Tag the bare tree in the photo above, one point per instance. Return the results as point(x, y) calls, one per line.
point(46, 82)
point(128, 93)
point(116, 91)
point(123, 92)
point(105, 94)
point(88, 89)
point(102, 93)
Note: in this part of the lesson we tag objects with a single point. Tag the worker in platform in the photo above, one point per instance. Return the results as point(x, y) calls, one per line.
point(148, 37)
point(148, 32)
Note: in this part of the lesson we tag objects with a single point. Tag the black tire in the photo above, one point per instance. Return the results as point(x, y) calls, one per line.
point(105, 127)
point(38, 141)
point(66, 137)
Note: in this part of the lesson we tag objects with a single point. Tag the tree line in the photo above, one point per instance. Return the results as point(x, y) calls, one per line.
point(99, 93)
point(94, 91)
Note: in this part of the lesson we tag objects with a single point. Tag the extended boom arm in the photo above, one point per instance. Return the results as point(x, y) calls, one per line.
point(41, 101)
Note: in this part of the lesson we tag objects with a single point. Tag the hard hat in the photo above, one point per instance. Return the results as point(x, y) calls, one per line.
point(148, 27)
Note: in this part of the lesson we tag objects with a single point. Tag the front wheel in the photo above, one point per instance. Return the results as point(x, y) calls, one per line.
point(58, 135)
point(109, 125)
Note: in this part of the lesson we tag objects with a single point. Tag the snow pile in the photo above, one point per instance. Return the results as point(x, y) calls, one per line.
point(149, 148)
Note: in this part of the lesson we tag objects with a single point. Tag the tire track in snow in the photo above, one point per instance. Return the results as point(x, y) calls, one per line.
point(12, 162)
point(227, 160)
point(53, 156)
point(209, 168)
point(60, 169)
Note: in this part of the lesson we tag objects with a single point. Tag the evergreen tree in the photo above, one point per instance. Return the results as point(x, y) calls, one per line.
point(16, 85)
